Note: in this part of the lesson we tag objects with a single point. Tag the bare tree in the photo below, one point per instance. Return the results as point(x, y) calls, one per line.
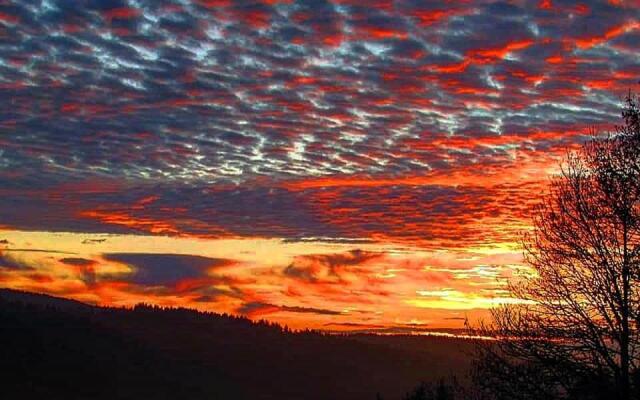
point(577, 332)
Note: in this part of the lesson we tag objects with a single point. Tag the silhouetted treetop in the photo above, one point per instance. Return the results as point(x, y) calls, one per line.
point(576, 334)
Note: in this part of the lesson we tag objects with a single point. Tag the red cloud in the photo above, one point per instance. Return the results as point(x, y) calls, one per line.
point(590, 41)
point(432, 17)
point(9, 19)
point(122, 13)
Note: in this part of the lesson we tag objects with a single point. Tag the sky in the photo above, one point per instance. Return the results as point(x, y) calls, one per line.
point(338, 165)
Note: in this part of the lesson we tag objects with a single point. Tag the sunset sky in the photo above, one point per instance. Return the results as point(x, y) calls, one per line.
point(340, 165)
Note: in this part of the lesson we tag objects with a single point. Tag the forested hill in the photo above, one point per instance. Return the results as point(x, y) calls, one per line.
point(55, 348)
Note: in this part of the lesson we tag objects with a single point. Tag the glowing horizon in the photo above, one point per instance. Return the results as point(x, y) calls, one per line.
point(300, 284)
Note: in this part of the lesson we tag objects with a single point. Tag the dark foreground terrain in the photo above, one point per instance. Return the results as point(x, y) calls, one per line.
point(53, 348)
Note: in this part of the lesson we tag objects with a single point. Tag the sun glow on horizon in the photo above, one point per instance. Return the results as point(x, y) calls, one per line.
point(300, 284)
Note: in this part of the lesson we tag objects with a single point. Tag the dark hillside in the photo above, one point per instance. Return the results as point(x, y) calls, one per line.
point(59, 349)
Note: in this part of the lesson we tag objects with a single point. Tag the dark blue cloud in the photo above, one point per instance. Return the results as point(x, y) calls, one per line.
point(12, 263)
point(164, 269)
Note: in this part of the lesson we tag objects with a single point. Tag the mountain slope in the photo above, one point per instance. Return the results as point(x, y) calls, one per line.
point(57, 349)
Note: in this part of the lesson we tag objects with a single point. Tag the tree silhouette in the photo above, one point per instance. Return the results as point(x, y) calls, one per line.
point(576, 333)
